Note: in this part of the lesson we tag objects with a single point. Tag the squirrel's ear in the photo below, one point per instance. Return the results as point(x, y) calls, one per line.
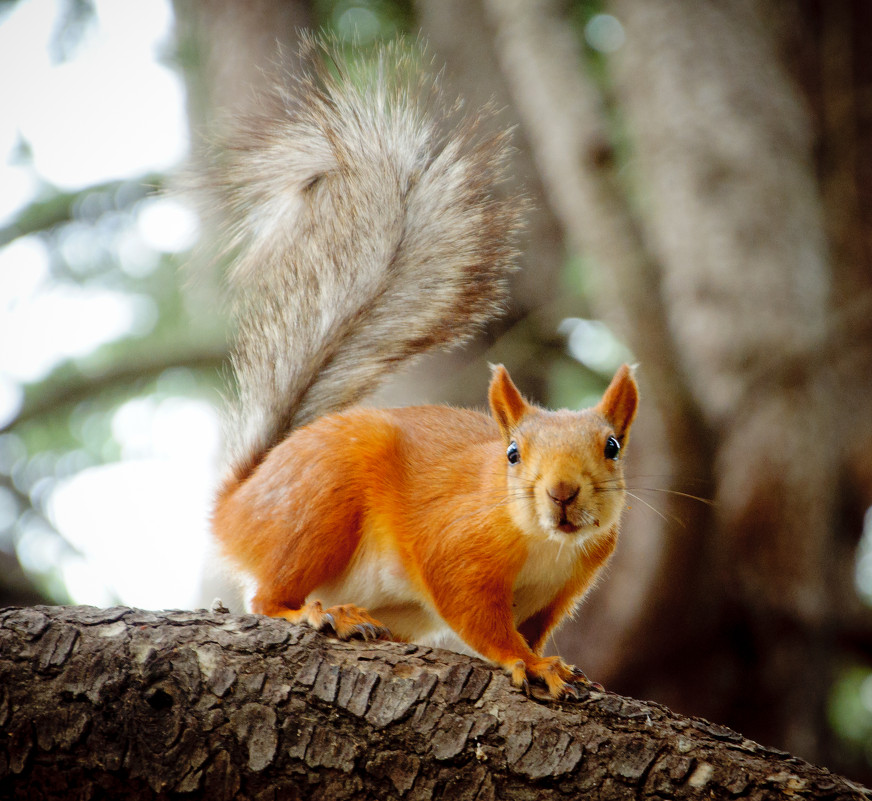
point(506, 403)
point(618, 404)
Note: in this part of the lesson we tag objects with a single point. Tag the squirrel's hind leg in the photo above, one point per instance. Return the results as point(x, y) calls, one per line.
point(346, 621)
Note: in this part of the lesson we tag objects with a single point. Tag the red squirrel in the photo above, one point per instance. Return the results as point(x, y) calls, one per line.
point(367, 229)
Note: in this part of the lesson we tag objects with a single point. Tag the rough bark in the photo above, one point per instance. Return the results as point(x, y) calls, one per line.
point(109, 703)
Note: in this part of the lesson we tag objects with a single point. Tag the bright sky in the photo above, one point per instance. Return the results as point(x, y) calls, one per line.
point(111, 111)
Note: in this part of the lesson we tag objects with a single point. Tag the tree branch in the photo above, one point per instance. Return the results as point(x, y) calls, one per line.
point(41, 215)
point(54, 395)
point(123, 702)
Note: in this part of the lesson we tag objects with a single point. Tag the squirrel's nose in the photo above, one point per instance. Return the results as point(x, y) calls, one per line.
point(563, 493)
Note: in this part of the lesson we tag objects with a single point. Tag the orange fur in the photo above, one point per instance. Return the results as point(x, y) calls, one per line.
point(413, 520)
point(370, 224)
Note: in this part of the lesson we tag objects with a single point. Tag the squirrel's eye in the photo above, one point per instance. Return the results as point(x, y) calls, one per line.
point(612, 449)
point(513, 454)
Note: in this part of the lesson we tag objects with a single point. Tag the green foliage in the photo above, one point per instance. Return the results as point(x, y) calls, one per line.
point(850, 711)
point(365, 20)
point(64, 424)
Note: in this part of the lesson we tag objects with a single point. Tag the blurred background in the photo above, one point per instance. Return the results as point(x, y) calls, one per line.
point(700, 180)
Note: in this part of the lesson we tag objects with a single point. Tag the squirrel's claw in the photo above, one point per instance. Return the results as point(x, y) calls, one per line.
point(570, 691)
point(371, 631)
point(578, 677)
point(367, 631)
point(327, 622)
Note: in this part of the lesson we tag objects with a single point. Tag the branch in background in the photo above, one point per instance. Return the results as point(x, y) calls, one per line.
point(64, 394)
point(41, 215)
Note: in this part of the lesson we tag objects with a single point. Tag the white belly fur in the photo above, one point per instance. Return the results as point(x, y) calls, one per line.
point(377, 581)
point(548, 567)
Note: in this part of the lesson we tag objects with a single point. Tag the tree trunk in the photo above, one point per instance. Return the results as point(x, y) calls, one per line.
point(110, 703)
point(738, 228)
point(712, 242)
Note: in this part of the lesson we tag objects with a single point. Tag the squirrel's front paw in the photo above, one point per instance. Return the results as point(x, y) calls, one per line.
point(560, 679)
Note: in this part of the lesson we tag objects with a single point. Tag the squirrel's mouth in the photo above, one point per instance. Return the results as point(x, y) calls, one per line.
point(568, 527)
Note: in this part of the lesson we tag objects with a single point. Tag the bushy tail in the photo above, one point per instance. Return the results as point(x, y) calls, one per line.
point(367, 230)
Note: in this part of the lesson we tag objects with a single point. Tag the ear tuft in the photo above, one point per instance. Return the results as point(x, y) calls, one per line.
point(506, 402)
point(620, 401)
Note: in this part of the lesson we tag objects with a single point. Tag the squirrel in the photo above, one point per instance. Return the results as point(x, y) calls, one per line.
point(367, 228)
